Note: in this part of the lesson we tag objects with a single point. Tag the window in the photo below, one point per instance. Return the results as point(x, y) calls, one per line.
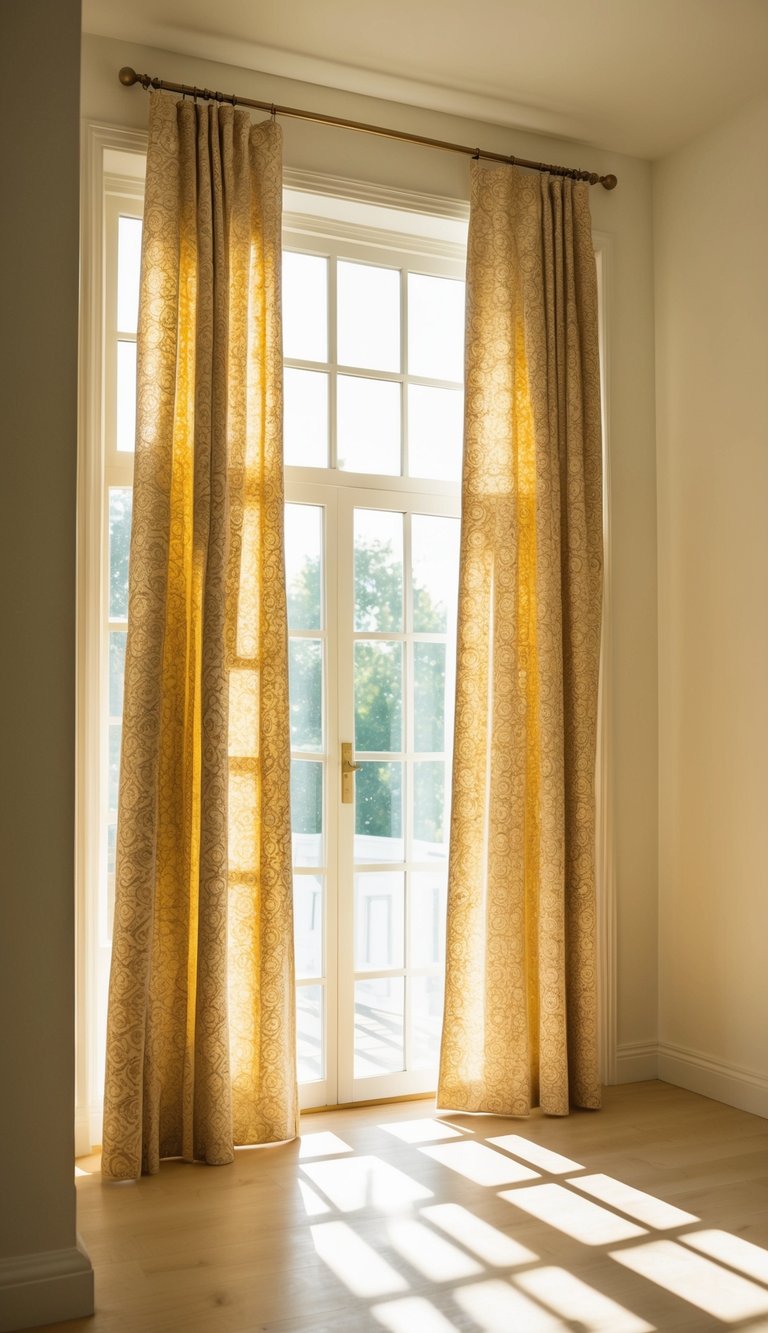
point(373, 331)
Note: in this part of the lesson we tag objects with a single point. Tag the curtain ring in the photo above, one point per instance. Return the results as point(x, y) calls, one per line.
point(273, 112)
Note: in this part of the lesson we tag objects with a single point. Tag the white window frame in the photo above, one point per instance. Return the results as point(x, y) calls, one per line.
point(105, 186)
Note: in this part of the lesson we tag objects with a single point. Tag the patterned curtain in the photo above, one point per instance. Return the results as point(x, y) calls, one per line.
point(520, 1026)
point(200, 1040)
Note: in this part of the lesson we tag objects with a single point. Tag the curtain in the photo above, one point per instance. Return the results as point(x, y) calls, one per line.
point(520, 1026)
point(201, 1025)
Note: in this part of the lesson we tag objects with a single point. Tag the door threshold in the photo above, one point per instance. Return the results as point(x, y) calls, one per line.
point(374, 1101)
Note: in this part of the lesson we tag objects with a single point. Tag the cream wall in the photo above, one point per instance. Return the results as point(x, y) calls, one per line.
point(42, 1273)
point(624, 216)
point(711, 234)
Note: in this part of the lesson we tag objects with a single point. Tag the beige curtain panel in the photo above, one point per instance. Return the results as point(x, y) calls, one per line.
point(520, 1027)
point(201, 1028)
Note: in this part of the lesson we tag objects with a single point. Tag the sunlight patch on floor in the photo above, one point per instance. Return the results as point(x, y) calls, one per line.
point(412, 1314)
point(354, 1262)
point(323, 1144)
point(432, 1256)
point(497, 1308)
point(479, 1164)
point(643, 1207)
point(573, 1299)
point(314, 1206)
point(697, 1280)
point(536, 1154)
point(732, 1250)
point(573, 1215)
point(494, 1247)
point(365, 1182)
point(421, 1131)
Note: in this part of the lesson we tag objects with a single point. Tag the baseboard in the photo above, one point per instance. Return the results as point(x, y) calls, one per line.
point(636, 1061)
point(45, 1288)
point(733, 1084)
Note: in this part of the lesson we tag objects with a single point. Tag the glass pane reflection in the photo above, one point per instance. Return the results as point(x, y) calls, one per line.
point(310, 1026)
point(379, 920)
point(379, 1044)
point(379, 812)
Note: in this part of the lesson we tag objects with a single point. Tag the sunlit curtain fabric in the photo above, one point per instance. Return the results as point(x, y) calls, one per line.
point(520, 1027)
point(200, 1041)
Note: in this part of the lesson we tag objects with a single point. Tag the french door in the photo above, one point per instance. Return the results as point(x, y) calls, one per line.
point(372, 580)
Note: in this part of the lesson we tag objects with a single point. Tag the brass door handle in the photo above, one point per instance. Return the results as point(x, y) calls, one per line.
point(348, 770)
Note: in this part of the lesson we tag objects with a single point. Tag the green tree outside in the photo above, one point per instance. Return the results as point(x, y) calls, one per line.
point(378, 692)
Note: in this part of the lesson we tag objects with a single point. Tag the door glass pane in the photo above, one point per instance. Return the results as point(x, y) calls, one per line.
point(379, 921)
point(111, 857)
point(368, 317)
point(435, 432)
point(426, 1006)
point(305, 683)
point(429, 696)
point(307, 812)
point(435, 327)
point(126, 397)
point(120, 501)
point(435, 568)
point(305, 306)
point(117, 638)
point(368, 425)
point(429, 825)
point(427, 891)
point(308, 925)
point(303, 565)
point(378, 570)
point(305, 417)
point(378, 695)
point(113, 784)
point(379, 1045)
point(379, 812)
point(128, 268)
point(309, 1033)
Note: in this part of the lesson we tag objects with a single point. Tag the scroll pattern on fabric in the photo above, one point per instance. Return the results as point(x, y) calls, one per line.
point(520, 1025)
point(201, 1027)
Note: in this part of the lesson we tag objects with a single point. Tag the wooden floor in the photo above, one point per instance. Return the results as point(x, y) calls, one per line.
point(384, 1218)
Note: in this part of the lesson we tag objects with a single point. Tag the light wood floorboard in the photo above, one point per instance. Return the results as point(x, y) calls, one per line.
point(199, 1249)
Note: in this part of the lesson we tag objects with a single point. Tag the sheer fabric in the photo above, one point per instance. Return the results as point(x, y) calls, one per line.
point(520, 1025)
point(201, 1028)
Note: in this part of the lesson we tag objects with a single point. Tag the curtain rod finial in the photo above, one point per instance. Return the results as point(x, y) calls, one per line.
point(609, 182)
point(128, 76)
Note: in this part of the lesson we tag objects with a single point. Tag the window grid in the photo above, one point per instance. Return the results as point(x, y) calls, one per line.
point(334, 368)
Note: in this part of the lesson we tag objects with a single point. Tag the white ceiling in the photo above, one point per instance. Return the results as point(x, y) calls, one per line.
point(635, 76)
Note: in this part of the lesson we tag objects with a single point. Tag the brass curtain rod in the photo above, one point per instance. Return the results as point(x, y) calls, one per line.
point(129, 76)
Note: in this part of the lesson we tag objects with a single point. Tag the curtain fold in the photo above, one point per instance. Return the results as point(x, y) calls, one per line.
point(520, 1025)
point(201, 1025)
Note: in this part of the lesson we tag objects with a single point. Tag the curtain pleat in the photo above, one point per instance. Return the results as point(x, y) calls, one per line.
point(520, 1025)
point(201, 1027)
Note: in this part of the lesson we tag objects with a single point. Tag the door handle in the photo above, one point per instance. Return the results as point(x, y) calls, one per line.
point(348, 770)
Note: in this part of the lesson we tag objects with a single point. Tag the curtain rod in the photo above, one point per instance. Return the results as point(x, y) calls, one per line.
point(128, 77)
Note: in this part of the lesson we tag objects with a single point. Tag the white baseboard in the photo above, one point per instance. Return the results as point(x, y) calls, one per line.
point(733, 1084)
point(45, 1288)
point(636, 1061)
